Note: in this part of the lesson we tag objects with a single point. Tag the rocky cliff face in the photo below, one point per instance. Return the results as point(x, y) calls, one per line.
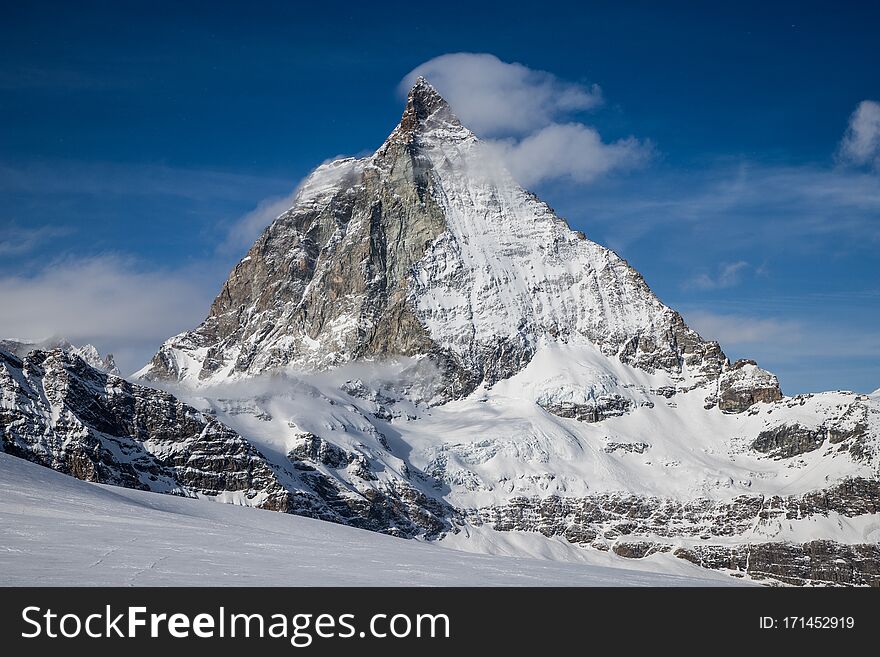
point(60, 412)
point(420, 346)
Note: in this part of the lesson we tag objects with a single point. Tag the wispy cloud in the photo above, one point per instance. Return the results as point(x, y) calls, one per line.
point(528, 116)
point(110, 301)
point(729, 275)
point(17, 240)
point(247, 228)
point(861, 143)
point(736, 329)
point(571, 151)
point(743, 204)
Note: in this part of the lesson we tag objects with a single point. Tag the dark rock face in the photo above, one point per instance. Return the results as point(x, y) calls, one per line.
point(620, 514)
point(627, 519)
point(789, 440)
point(744, 385)
point(604, 407)
point(632, 448)
point(312, 448)
point(849, 431)
point(98, 427)
point(638, 549)
point(815, 562)
point(394, 508)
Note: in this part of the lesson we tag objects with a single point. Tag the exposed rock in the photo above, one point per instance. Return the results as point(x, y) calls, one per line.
point(98, 427)
point(786, 440)
point(87, 352)
point(816, 562)
point(632, 448)
point(614, 514)
point(603, 407)
point(311, 447)
point(638, 549)
point(744, 385)
point(60, 412)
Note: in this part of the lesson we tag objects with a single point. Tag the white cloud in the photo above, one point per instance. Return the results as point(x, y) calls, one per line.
point(107, 301)
point(498, 98)
point(572, 151)
point(729, 275)
point(741, 205)
point(525, 114)
point(861, 143)
point(734, 330)
point(245, 230)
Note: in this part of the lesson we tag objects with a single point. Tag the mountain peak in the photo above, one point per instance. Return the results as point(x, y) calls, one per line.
point(422, 103)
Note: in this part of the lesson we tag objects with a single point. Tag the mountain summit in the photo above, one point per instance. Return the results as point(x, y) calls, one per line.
point(430, 248)
point(424, 102)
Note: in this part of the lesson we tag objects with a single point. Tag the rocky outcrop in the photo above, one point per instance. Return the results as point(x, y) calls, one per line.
point(820, 562)
point(623, 522)
point(603, 407)
point(849, 432)
point(89, 353)
point(614, 515)
point(787, 440)
point(312, 448)
point(744, 385)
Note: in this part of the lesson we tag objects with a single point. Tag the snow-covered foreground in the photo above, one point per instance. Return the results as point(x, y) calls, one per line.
point(56, 530)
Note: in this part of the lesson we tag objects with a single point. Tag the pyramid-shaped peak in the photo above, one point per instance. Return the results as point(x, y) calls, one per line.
point(422, 102)
point(423, 92)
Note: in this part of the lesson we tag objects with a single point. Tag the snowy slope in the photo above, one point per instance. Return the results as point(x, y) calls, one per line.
point(499, 443)
point(58, 531)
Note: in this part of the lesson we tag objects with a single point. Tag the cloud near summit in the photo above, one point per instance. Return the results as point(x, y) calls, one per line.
point(530, 117)
point(497, 98)
point(860, 145)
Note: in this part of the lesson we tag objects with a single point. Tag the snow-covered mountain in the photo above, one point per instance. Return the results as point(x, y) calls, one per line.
point(429, 247)
point(89, 353)
point(420, 346)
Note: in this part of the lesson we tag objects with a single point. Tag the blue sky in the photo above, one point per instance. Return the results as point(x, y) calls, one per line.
point(730, 153)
